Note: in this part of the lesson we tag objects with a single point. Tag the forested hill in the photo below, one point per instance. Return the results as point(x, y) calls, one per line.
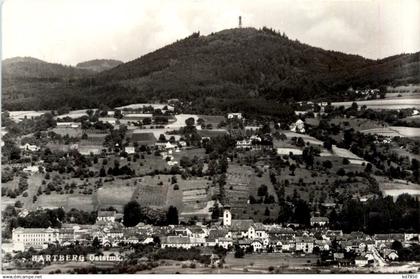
point(31, 68)
point(251, 62)
point(232, 64)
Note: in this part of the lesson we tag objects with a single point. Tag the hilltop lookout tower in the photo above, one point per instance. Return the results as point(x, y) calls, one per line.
point(240, 22)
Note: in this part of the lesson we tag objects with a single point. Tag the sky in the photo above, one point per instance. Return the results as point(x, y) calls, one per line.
point(72, 31)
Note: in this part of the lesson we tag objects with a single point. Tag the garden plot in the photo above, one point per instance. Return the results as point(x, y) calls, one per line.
point(195, 193)
point(238, 180)
point(153, 196)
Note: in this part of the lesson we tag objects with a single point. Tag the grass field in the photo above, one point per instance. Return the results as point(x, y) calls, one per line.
point(394, 131)
point(261, 262)
point(115, 193)
point(20, 114)
point(397, 187)
point(212, 133)
point(214, 120)
point(399, 103)
point(72, 132)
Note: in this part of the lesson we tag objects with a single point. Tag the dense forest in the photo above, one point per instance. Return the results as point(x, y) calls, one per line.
point(230, 64)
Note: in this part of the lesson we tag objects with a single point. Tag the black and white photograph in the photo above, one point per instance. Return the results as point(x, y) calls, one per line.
point(210, 137)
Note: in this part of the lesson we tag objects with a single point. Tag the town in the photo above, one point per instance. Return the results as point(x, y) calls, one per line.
point(154, 187)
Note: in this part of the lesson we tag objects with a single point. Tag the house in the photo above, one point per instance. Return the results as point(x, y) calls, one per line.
point(338, 256)
point(130, 149)
point(361, 261)
point(385, 239)
point(390, 254)
point(298, 126)
point(106, 216)
point(31, 169)
point(195, 231)
point(257, 230)
point(73, 125)
point(240, 228)
point(226, 243)
point(319, 221)
point(29, 147)
point(305, 244)
point(176, 242)
point(237, 115)
point(38, 238)
point(257, 245)
point(282, 243)
point(243, 144)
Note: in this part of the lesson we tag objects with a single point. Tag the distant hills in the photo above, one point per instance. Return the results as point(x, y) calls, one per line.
point(228, 65)
point(29, 67)
point(98, 65)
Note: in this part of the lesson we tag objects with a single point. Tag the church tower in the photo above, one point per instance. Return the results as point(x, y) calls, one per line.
point(227, 217)
point(240, 22)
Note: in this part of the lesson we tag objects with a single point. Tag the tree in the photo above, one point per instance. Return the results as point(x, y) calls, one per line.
point(215, 212)
point(396, 245)
point(302, 213)
point(118, 114)
point(162, 138)
point(327, 164)
point(239, 252)
point(132, 214)
point(262, 190)
point(172, 216)
point(102, 172)
point(190, 121)
point(95, 243)
point(267, 212)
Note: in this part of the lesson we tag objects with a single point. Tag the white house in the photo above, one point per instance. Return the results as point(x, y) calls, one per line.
point(130, 149)
point(237, 115)
point(29, 147)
